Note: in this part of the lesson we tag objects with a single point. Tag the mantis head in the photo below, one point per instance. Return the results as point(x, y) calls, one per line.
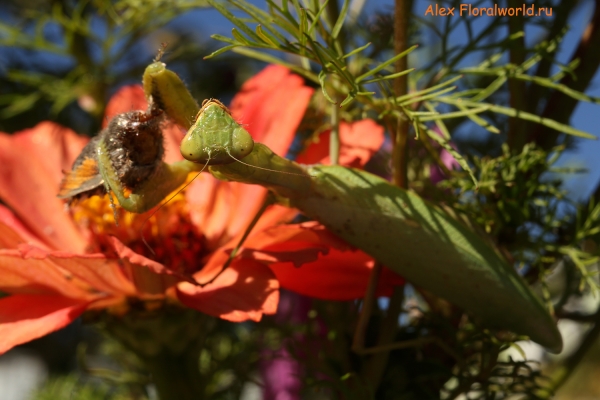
point(215, 138)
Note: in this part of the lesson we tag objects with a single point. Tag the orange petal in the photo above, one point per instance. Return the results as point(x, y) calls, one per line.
point(223, 210)
point(101, 273)
point(308, 259)
point(29, 270)
point(284, 236)
point(30, 172)
point(273, 216)
point(359, 141)
point(298, 257)
point(127, 98)
point(271, 105)
point(173, 135)
point(244, 291)
point(13, 232)
point(26, 317)
point(336, 276)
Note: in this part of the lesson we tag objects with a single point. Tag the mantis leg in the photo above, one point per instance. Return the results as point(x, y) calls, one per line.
point(150, 193)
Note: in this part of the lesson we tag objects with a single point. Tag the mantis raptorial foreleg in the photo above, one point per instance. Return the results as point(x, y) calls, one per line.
point(148, 194)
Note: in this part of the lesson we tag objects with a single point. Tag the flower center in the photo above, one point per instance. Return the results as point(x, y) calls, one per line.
point(165, 235)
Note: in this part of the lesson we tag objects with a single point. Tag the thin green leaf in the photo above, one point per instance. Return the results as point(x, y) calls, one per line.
point(297, 7)
point(322, 77)
point(415, 123)
point(236, 21)
point(428, 96)
point(316, 19)
point(490, 89)
point(480, 121)
point(355, 51)
point(391, 76)
point(266, 37)
point(546, 82)
point(386, 63)
point(349, 98)
point(220, 51)
point(261, 17)
point(419, 114)
point(511, 112)
point(20, 104)
point(274, 60)
point(285, 19)
point(241, 39)
point(302, 28)
point(428, 90)
point(340, 21)
point(224, 39)
point(439, 123)
point(456, 114)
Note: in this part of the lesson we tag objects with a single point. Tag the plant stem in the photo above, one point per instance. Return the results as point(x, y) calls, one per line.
point(375, 367)
point(334, 140)
point(516, 134)
point(400, 151)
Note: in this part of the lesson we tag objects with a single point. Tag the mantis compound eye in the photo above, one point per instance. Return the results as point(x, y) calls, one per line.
point(215, 138)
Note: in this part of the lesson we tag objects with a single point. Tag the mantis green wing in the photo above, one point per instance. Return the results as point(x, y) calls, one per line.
point(417, 240)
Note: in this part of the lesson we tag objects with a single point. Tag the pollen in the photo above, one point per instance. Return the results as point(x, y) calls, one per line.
point(164, 234)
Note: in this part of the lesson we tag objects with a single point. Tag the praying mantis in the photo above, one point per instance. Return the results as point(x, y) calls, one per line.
point(423, 243)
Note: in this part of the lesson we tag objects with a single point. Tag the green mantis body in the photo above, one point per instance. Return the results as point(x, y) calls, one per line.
point(419, 241)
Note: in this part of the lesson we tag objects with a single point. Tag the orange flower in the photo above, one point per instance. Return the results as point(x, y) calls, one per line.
point(55, 264)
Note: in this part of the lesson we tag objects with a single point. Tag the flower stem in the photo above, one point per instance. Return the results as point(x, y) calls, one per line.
point(176, 376)
point(168, 341)
point(376, 365)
